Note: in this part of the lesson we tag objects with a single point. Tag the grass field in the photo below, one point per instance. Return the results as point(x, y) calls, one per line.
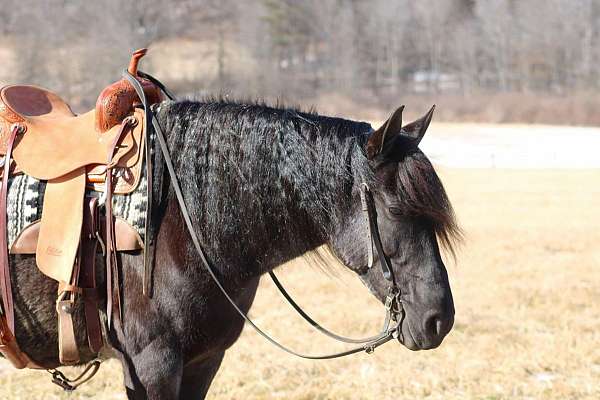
point(526, 287)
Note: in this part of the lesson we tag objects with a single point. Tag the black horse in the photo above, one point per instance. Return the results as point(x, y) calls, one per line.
point(263, 185)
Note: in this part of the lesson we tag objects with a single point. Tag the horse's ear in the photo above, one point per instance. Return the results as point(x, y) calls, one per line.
point(415, 131)
point(381, 136)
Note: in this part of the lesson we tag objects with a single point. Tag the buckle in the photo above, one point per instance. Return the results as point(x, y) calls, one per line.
point(393, 303)
point(19, 128)
point(69, 385)
point(64, 305)
point(388, 302)
point(60, 380)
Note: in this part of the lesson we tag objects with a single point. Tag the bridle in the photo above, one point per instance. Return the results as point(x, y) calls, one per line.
point(393, 304)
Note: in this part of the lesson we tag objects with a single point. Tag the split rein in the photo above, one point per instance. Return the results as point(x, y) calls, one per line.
point(393, 305)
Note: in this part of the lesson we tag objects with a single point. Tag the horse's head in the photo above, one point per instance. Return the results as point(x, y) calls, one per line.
point(412, 214)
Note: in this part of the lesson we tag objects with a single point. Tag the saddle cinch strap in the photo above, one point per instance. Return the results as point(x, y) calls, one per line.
point(83, 283)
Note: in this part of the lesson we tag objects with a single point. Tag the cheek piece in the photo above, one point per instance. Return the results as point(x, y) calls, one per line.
point(394, 292)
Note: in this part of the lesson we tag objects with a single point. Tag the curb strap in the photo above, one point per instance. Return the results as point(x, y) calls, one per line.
point(69, 385)
point(369, 347)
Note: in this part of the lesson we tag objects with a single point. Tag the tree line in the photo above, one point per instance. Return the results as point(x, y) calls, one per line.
point(301, 49)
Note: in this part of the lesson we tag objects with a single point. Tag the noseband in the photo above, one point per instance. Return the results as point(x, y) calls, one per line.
point(393, 304)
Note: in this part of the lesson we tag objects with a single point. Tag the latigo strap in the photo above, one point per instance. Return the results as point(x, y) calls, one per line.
point(5, 285)
point(8, 343)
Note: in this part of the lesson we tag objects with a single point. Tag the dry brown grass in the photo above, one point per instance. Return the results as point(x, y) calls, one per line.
point(526, 288)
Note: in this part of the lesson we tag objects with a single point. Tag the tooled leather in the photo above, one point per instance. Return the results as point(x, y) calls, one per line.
point(117, 101)
point(7, 118)
point(4, 134)
point(7, 113)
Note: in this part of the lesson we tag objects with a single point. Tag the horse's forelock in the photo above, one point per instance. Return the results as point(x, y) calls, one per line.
point(422, 194)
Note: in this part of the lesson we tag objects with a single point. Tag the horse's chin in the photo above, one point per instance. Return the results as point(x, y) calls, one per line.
point(406, 337)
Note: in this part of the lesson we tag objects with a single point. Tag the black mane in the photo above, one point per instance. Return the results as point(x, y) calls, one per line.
point(278, 174)
point(275, 173)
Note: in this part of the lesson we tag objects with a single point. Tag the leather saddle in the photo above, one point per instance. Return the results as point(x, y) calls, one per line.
point(102, 150)
point(58, 142)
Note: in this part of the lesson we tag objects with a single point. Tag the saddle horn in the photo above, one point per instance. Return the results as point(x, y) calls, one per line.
point(135, 60)
point(118, 100)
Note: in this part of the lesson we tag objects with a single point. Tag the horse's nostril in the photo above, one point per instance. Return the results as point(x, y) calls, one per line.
point(434, 325)
point(438, 326)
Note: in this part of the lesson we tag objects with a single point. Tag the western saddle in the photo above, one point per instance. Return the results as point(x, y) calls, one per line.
point(100, 151)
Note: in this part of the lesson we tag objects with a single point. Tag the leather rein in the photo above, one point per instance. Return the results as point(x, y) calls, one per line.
point(394, 311)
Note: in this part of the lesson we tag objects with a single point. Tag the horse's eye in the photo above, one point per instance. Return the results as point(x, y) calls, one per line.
point(396, 211)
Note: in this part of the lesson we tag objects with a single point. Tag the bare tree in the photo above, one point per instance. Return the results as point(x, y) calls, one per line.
point(374, 49)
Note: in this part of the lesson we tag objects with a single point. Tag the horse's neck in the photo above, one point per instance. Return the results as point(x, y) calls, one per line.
point(276, 226)
point(257, 214)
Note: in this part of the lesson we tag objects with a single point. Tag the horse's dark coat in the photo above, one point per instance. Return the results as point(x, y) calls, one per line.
point(263, 186)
